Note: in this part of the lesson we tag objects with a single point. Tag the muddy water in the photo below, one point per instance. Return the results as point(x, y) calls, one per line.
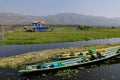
point(105, 70)
point(11, 50)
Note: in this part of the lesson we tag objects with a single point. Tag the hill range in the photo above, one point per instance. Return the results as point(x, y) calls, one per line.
point(63, 18)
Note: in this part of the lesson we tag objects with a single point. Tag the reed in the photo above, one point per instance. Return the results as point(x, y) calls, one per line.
point(45, 55)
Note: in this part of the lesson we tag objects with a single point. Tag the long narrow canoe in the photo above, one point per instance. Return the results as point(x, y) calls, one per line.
point(68, 62)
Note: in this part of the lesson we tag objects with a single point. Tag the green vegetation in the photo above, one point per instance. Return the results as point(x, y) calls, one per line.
point(59, 34)
point(45, 55)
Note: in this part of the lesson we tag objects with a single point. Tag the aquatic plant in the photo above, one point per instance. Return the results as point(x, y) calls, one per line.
point(60, 34)
point(45, 55)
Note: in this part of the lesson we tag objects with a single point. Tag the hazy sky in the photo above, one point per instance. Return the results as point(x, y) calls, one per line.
point(108, 8)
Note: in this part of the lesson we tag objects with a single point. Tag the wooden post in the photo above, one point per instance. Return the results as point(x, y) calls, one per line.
point(3, 35)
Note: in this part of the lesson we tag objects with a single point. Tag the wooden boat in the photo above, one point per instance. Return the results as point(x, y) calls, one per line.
point(68, 62)
point(76, 55)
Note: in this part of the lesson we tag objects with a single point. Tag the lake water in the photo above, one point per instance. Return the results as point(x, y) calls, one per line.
point(109, 72)
point(102, 71)
point(11, 50)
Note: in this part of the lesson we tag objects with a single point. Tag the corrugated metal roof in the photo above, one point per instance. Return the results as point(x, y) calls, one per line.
point(39, 21)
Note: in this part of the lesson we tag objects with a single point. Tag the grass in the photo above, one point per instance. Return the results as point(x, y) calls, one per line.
point(65, 34)
point(45, 55)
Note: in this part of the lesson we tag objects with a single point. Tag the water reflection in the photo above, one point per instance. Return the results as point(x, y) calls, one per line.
point(11, 50)
point(104, 70)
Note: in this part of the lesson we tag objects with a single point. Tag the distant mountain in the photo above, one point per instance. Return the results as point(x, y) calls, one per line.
point(63, 18)
point(11, 18)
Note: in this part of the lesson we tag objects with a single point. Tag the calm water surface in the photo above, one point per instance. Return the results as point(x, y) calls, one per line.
point(11, 50)
point(102, 71)
point(109, 72)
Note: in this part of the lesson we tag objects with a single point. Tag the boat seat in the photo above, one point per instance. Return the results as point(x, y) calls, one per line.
point(55, 64)
point(40, 66)
point(29, 68)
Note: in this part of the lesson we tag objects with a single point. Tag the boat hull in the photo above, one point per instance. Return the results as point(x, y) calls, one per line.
point(73, 65)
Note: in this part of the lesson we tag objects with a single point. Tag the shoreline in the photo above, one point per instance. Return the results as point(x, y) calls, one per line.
point(61, 34)
point(45, 55)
